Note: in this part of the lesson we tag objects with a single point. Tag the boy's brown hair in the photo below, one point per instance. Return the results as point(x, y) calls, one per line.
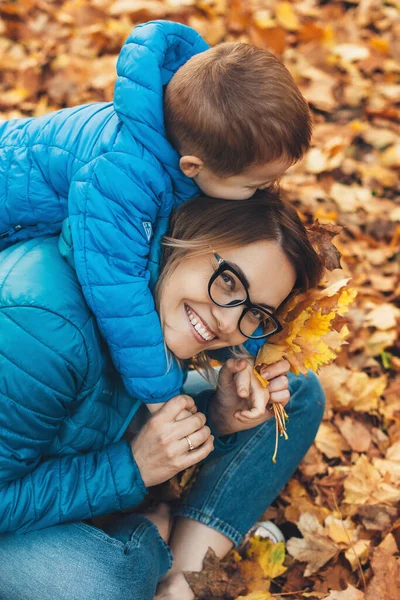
point(236, 106)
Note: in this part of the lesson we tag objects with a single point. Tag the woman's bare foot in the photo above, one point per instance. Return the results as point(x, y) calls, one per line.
point(173, 587)
point(161, 517)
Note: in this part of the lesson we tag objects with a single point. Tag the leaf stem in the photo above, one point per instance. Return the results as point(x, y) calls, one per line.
point(280, 426)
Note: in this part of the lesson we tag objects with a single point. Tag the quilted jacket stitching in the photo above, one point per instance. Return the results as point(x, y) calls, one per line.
point(85, 235)
point(5, 309)
point(36, 413)
point(28, 185)
point(46, 310)
point(153, 196)
point(16, 262)
point(19, 436)
point(43, 383)
point(122, 260)
point(113, 478)
point(48, 146)
point(85, 485)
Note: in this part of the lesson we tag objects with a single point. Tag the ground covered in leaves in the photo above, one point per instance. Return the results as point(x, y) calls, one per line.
point(340, 511)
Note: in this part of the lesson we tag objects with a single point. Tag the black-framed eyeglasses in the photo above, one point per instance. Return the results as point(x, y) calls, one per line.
point(227, 289)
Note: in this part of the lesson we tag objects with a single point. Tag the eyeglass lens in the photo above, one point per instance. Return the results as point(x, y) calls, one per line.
point(228, 290)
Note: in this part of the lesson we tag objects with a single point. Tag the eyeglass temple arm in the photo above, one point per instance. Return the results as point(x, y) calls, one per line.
point(219, 259)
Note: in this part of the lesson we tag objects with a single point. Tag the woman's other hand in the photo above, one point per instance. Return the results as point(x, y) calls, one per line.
point(241, 401)
point(161, 449)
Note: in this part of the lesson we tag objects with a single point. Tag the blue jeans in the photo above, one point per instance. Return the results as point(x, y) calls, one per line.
point(80, 562)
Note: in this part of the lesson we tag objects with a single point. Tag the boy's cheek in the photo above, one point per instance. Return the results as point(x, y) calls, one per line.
point(219, 191)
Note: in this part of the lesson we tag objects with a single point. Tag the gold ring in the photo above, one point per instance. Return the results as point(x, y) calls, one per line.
point(191, 447)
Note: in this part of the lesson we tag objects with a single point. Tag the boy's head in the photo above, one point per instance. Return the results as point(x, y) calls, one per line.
point(237, 118)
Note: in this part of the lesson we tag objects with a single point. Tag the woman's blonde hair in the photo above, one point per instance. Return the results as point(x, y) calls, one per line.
point(205, 223)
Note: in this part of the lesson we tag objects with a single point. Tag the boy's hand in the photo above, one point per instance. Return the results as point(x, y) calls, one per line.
point(248, 387)
point(240, 401)
point(154, 408)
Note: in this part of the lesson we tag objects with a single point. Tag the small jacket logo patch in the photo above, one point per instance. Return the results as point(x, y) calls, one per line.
point(147, 229)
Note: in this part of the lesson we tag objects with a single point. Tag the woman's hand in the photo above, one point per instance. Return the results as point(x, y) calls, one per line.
point(241, 401)
point(161, 449)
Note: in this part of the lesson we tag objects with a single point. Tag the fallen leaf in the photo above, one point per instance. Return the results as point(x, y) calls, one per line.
point(385, 582)
point(215, 579)
point(384, 316)
point(269, 556)
point(256, 596)
point(315, 548)
point(340, 531)
point(322, 235)
point(336, 576)
point(330, 442)
point(377, 517)
point(355, 433)
point(365, 485)
point(351, 52)
point(358, 553)
point(252, 573)
point(391, 156)
point(286, 16)
point(351, 593)
point(389, 544)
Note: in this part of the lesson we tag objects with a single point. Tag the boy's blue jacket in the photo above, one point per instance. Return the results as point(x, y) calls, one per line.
point(110, 167)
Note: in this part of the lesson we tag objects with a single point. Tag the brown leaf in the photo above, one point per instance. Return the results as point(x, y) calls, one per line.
point(333, 577)
point(218, 579)
point(315, 548)
point(364, 484)
point(321, 235)
point(329, 441)
point(377, 517)
point(313, 463)
point(355, 433)
point(389, 545)
point(254, 577)
point(351, 593)
point(385, 582)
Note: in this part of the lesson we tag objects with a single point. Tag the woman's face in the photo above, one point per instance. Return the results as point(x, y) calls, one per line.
point(185, 302)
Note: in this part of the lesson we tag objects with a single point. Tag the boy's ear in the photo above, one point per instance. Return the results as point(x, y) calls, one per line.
point(191, 166)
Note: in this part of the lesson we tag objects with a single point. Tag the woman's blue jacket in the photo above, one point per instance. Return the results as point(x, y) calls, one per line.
point(63, 408)
point(110, 167)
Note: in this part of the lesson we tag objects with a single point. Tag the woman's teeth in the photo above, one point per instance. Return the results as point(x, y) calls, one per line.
point(205, 334)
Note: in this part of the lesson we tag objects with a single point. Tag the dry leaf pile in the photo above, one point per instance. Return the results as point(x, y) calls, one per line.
point(340, 512)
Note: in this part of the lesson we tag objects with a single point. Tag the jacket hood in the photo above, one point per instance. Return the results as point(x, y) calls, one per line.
point(150, 57)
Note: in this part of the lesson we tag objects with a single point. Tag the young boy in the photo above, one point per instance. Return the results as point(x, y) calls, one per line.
point(236, 121)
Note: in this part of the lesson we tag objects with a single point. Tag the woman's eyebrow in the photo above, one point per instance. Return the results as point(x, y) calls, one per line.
point(246, 281)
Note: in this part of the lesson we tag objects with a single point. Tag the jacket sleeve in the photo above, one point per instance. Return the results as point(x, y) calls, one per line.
point(115, 202)
point(37, 491)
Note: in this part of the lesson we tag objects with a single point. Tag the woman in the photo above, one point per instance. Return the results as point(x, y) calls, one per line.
point(64, 412)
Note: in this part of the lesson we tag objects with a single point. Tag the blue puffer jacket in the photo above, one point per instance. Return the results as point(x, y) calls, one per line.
point(111, 168)
point(63, 408)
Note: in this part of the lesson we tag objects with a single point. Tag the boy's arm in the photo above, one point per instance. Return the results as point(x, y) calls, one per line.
point(114, 203)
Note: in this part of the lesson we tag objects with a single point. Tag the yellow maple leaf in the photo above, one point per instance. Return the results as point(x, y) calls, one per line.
point(309, 338)
point(345, 299)
point(269, 556)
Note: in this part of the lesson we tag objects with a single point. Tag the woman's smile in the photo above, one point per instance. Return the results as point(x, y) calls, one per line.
point(199, 328)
